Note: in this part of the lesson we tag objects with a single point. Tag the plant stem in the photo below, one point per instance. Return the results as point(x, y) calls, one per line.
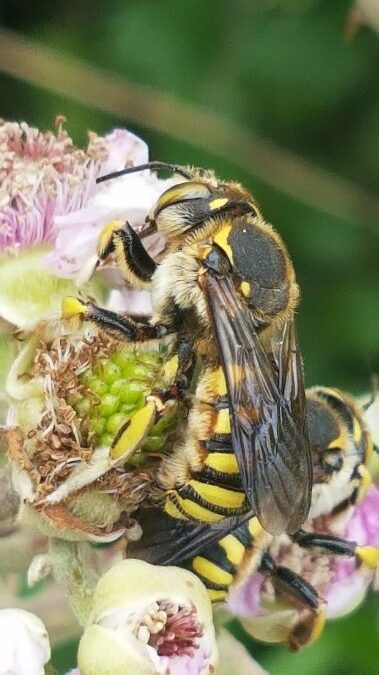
point(73, 575)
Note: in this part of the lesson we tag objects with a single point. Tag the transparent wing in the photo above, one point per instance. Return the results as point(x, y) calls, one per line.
point(267, 409)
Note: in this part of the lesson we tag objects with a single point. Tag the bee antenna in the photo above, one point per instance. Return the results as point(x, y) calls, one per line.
point(157, 166)
point(374, 381)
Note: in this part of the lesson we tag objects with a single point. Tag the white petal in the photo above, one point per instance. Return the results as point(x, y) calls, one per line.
point(24, 643)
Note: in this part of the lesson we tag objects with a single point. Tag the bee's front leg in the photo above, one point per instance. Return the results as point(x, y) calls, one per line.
point(119, 326)
point(368, 555)
point(134, 262)
point(303, 596)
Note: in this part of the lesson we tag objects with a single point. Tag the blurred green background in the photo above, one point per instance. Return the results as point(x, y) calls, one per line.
point(282, 95)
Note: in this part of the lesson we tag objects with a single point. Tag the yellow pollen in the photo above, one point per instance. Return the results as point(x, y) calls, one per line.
point(369, 555)
point(72, 307)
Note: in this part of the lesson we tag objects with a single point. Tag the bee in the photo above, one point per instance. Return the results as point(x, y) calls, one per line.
point(226, 289)
point(223, 555)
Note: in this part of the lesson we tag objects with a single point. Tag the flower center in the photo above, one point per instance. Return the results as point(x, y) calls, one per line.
point(172, 630)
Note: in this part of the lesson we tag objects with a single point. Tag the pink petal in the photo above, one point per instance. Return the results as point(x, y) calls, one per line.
point(124, 149)
point(350, 582)
point(127, 198)
point(363, 526)
point(244, 600)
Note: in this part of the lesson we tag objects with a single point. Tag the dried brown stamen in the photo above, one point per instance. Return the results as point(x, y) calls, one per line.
point(59, 440)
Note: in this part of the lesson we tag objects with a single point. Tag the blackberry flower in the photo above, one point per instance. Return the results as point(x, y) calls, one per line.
point(151, 620)
point(49, 201)
point(82, 435)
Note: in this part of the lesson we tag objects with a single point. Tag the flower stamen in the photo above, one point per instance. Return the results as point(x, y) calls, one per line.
point(172, 630)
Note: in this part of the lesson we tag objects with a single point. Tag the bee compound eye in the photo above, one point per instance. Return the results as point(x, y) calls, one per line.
point(181, 193)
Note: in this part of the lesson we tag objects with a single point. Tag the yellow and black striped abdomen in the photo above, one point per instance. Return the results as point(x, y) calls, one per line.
point(220, 565)
point(212, 488)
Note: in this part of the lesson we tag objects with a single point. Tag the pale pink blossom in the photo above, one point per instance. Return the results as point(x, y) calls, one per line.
point(127, 197)
point(42, 174)
point(130, 300)
point(49, 198)
point(49, 194)
point(245, 599)
point(349, 583)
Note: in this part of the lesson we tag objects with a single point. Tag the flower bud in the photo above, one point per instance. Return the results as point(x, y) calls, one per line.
point(148, 620)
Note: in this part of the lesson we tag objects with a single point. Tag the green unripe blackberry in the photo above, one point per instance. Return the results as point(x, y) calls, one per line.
point(113, 389)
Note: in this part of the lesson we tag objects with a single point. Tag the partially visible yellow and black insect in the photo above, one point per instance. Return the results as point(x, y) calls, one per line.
point(223, 555)
point(226, 289)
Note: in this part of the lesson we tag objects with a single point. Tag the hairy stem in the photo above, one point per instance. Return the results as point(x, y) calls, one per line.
point(74, 576)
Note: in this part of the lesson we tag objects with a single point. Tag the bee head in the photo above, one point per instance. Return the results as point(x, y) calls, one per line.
point(328, 435)
point(188, 205)
point(340, 449)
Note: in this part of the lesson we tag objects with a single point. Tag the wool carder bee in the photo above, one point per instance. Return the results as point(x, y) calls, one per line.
point(226, 289)
point(224, 555)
